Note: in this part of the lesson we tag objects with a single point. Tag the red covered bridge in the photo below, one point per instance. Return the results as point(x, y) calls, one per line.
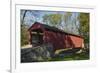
point(41, 33)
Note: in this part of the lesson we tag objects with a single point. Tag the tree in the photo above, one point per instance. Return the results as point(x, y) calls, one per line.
point(63, 21)
point(52, 19)
point(23, 16)
point(24, 35)
point(84, 27)
point(24, 29)
point(67, 21)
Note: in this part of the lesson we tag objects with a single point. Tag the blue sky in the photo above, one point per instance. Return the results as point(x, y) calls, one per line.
point(37, 15)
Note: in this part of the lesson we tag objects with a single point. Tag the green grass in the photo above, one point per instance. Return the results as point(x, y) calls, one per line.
point(81, 56)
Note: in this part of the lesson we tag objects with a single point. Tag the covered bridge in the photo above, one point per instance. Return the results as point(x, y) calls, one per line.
point(42, 33)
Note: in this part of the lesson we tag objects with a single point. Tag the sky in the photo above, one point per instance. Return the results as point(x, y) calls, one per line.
point(37, 15)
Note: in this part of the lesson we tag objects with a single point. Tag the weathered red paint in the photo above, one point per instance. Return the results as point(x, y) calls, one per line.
point(58, 39)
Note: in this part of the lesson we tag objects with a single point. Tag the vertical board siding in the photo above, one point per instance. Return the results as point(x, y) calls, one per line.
point(59, 40)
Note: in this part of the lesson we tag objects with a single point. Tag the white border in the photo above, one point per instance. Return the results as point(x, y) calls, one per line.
point(16, 66)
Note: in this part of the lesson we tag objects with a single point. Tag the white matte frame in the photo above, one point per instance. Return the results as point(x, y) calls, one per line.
point(16, 66)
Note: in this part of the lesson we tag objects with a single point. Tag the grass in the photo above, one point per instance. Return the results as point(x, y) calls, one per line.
point(80, 56)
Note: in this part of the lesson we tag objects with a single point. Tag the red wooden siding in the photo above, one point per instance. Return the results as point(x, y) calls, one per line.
point(57, 38)
point(76, 41)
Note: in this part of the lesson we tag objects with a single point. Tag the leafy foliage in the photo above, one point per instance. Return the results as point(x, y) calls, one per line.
point(52, 19)
point(64, 21)
point(24, 35)
point(84, 27)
